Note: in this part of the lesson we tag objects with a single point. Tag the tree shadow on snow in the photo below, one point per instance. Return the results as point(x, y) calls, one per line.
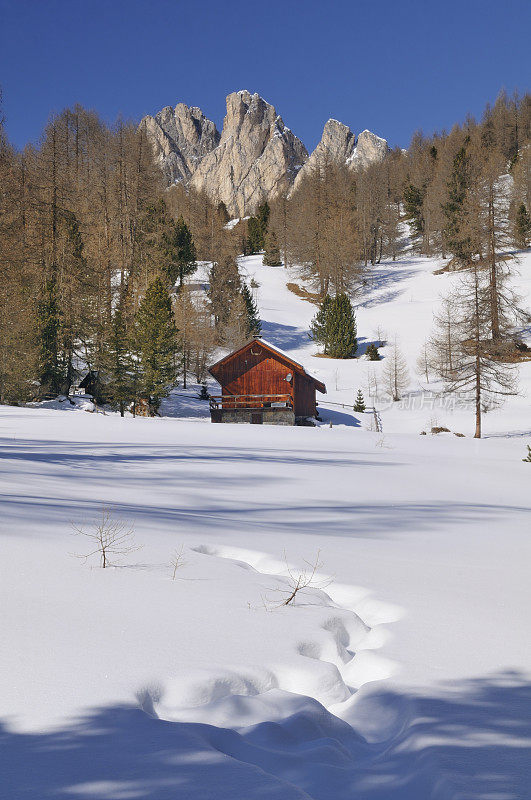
point(287, 337)
point(470, 740)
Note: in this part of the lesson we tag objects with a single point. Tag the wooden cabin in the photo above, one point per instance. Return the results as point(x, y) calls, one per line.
point(262, 385)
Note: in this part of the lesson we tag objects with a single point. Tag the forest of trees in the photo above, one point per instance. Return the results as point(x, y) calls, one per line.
point(94, 256)
point(97, 257)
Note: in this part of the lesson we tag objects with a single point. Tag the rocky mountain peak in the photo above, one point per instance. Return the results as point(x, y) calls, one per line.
point(336, 146)
point(180, 137)
point(369, 149)
point(255, 158)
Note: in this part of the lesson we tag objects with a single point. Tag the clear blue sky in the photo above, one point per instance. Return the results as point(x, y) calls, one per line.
point(391, 66)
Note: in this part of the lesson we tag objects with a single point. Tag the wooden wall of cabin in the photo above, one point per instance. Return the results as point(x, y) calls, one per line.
point(254, 374)
point(304, 396)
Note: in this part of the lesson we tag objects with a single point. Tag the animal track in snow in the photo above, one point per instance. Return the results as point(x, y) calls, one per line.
point(330, 665)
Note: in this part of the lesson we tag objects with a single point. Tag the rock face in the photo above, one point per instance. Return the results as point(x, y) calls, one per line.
point(180, 138)
point(257, 157)
point(369, 149)
point(338, 145)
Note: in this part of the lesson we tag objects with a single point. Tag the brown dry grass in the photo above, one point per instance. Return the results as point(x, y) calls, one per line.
point(304, 294)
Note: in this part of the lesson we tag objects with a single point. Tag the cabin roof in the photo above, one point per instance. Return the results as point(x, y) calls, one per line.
point(319, 385)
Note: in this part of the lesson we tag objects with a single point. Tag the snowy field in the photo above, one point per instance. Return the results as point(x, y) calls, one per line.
point(403, 673)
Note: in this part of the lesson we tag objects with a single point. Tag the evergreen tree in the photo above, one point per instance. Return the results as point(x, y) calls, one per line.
point(255, 326)
point(118, 363)
point(156, 337)
point(341, 328)
point(413, 198)
point(522, 227)
point(360, 402)
point(457, 233)
point(257, 228)
point(372, 352)
point(255, 239)
point(272, 251)
point(319, 325)
point(49, 327)
point(528, 454)
point(263, 218)
point(179, 248)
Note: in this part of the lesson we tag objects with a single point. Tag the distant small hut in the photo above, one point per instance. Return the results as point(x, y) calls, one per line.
point(91, 383)
point(262, 385)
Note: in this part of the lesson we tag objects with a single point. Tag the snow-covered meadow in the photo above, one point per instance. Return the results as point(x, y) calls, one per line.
point(403, 673)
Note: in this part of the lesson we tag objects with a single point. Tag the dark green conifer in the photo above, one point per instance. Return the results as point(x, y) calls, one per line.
point(255, 239)
point(179, 249)
point(359, 405)
point(156, 339)
point(255, 326)
point(257, 228)
point(413, 198)
point(341, 328)
point(263, 214)
point(372, 352)
point(457, 234)
point(319, 325)
point(118, 363)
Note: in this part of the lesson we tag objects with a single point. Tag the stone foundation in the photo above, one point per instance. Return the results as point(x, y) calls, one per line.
point(260, 416)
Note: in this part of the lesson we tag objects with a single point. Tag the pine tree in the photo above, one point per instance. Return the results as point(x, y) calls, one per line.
point(272, 251)
point(372, 352)
point(413, 198)
point(528, 454)
point(319, 325)
point(522, 227)
point(263, 218)
point(255, 239)
point(156, 338)
point(255, 326)
point(360, 402)
point(341, 328)
point(257, 228)
point(457, 233)
point(118, 363)
point(179, 248)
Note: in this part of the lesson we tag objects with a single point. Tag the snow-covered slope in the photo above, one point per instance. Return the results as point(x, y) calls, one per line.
point(397, 305)
point(401, 674)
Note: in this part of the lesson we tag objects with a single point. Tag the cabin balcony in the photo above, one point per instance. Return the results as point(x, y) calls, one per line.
point(257, 409)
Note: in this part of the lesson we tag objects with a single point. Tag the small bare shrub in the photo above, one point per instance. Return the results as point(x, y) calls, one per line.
point(177, 561)
point(109, 538)
point(299, 580)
